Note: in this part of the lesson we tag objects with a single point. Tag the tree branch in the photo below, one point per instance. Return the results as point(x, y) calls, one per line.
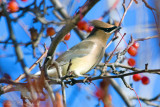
point(125, 10)
point(17, 47)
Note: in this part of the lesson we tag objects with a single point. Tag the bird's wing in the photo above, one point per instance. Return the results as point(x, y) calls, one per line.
point(80, 50)
point(99, 58)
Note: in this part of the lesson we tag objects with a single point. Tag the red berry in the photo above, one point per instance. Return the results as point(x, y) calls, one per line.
point(24, 0)
point(90, 28)
point(109, 97)
point(67, 37)
point(50, 31)
point(82, 25)
point(132, 51)
point(136, 77)
point(145, 80)
point(100, 94)
point(131, 62)
point(13, 6)
point(107, 106)
point(136, 45)
point(7, 103)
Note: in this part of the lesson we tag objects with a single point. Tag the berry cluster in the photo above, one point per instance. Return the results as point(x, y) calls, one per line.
point(144, 79)
point(133, 49)
point(133, 52)
point(51, 31)
point(83, 25)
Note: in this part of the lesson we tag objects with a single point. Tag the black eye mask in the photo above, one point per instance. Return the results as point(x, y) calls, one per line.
point(109, 30)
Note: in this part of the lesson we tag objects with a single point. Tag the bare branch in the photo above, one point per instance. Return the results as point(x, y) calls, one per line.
point(125, 10)
point(34, 65)
point(59, 8)
point(17, 47)
point(50, 92)
point(59, 72)
point(151, 37)
point(112, 76)
point(149, 101)
point(147, 5)
point(120, 92)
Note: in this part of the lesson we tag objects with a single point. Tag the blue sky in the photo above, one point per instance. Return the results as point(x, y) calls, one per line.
point(139, 22)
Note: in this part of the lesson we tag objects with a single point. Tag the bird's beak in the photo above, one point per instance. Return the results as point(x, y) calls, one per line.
point(118, 28)
point(115, 29)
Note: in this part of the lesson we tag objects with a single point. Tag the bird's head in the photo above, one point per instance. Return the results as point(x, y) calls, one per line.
point(107, 28)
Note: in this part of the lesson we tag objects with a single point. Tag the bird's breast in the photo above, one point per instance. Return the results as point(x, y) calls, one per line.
point(82, 65)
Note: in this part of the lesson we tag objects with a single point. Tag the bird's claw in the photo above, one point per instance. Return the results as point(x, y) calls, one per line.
point(67, 77)
point(72, 82)
point(87, 80)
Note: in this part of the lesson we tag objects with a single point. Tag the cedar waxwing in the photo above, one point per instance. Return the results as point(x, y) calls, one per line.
point(87, 54)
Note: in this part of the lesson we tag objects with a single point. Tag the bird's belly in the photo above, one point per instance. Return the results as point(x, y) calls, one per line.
point(80, 66)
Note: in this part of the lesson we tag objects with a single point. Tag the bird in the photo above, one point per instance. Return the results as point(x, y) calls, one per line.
point(84, 56)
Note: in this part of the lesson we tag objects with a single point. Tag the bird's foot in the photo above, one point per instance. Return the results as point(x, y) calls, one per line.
point(87, 80)
point(67, 77)
point(73, 81)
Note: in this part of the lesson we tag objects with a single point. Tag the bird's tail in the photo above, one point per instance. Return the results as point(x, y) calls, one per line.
point(52, 72)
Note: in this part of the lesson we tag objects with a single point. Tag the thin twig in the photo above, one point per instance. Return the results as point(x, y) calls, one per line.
point(151, 37)
point(58, 81)
point(125, 10)
point(17, 47)
point(110, 57)
point(23, 75)
point(60, 9)
point(50, 92)
point(110, 9)
point(125, 83)
point(149, 101)
point(147, 5)
point(34, 65)
point(120, 92)
point(112, 76)
point(59, 72)
point(113, 39)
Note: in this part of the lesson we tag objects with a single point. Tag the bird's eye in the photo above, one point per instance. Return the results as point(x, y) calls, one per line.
point(109, 30)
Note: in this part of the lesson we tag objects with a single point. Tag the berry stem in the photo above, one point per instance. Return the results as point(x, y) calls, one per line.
point(137, 97)
point(114, 50)
point(123, 39)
